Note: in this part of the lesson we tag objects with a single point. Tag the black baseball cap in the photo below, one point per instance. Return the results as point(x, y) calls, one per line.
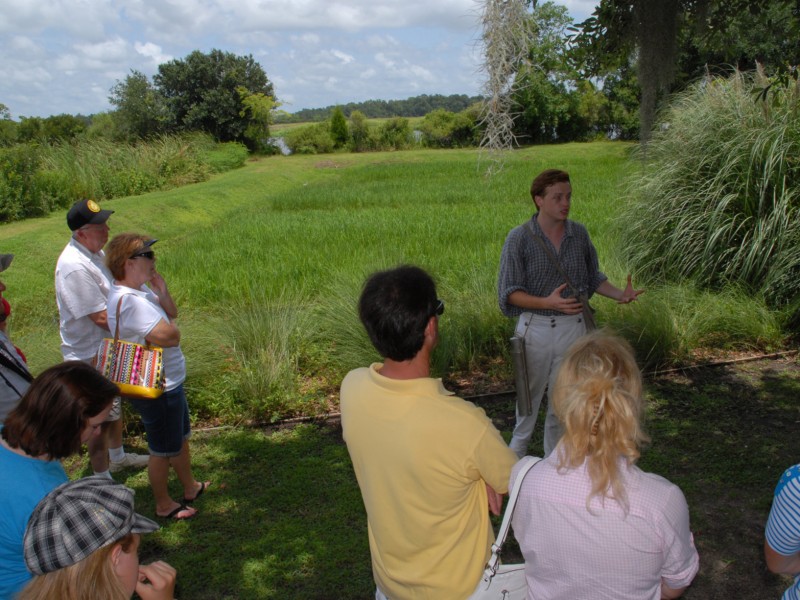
point(85, 212)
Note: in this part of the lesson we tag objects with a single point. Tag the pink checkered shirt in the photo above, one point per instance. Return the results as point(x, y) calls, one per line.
point(573, 554)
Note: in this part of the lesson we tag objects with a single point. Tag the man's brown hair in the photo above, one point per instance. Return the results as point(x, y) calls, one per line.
point(544, 180)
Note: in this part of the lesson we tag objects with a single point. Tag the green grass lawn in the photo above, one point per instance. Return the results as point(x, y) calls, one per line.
point(284, 517)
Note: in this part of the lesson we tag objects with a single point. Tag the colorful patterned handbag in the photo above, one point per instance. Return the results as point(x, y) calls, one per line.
point(137, 370)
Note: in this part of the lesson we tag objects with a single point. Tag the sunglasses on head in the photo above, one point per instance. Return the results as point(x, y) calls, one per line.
point(439, 310)
point(147, 254)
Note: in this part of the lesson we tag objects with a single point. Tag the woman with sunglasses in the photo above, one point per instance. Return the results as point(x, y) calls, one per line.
point(147, 311)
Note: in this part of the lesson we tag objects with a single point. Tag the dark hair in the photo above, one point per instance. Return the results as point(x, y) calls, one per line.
point(53, 413)
point(395, 307)
point(544, 180)
point(120, 249)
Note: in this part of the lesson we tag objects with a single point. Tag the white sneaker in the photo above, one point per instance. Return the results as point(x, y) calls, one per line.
point(130, 460)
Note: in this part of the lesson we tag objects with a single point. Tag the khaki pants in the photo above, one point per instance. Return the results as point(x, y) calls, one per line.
point(546, 341)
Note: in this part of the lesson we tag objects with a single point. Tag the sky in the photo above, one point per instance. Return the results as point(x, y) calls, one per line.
point(63, 56)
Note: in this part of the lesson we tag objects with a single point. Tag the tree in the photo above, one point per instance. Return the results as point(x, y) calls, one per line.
point(8, 128)
point(339, 131)
point(258, 109)
point(359, 131)
point(544, 80)
point(30, 129)
point(103, 125)
point(51, 129)
point(141, 109)
point(677, 40)
point(201, 92)
point(63, 127)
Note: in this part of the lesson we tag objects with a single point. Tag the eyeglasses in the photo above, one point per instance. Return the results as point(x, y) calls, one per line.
point(148, 254)
point(439, 308)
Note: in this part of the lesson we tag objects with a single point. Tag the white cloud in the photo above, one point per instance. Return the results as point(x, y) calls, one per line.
point(352, 15)
point(310, 39)
point(108, 51)
point(153, 52)
point(344, 58)
point(25, 46)
point(384, 60)
point(381, 41)
point(64, 55)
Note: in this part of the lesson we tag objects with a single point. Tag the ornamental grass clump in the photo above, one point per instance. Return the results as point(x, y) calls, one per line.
point(716, 199)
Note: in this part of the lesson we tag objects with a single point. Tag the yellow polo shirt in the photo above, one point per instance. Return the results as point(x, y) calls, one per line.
point(422, 457)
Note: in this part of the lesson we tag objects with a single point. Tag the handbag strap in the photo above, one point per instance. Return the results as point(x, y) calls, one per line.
point(116, 325)
point(494, 559)
point(553, 259)
point(13, 364)
point(113, 361)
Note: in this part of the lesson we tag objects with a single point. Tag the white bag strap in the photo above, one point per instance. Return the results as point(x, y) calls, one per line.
point(494, 559)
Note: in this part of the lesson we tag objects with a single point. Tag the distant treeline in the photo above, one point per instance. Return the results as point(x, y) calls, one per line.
point(418, 106)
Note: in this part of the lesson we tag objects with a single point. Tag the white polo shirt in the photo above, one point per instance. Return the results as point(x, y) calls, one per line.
point(82, 285)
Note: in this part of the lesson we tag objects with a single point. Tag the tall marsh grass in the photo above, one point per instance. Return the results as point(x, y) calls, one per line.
point(266, 264)
point(102, 169)
point(36, 179)
point(716, 199)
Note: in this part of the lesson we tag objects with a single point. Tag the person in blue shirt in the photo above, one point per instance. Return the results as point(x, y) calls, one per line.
point(63, 408)
point(782, 545)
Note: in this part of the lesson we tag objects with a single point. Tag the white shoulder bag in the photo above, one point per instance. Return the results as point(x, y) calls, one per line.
point(505, 582)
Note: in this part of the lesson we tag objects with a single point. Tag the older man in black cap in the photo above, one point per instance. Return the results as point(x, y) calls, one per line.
point(14, 375)
point(82, 285)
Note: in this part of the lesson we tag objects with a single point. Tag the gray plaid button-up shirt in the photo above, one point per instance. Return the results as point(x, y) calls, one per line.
point(524, 265)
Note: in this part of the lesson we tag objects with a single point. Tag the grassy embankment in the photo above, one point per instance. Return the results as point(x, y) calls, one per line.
point(266, 263)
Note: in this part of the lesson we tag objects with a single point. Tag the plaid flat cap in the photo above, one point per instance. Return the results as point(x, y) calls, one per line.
point(77, 518)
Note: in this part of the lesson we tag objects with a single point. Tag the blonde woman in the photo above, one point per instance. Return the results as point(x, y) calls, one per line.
point(589, 522)
point(82, 543)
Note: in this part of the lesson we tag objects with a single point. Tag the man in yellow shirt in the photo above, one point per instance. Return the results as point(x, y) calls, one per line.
point(427, 462)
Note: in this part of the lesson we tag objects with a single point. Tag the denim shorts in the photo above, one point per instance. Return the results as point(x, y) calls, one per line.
point(166, 421)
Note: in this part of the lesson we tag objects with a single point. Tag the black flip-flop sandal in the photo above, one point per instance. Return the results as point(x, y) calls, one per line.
point(174, 514)
point(203, 486)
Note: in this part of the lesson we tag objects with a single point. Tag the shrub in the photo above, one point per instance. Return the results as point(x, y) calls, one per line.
point(444, 129)
point(716, 200)
point(339, 131)
point(35, 179)
point(312, 139)
point(359, 132)
point(21, 191)
point(395, 134)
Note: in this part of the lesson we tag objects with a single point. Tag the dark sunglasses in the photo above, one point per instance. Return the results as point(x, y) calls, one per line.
point(149, 254)
point(439, 310)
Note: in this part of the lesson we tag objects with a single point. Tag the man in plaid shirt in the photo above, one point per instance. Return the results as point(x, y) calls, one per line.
point(532, 288)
